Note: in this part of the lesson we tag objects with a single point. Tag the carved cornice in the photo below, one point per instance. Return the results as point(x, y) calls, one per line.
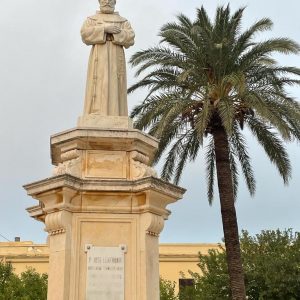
point(103, 185)
point(72, 194)
point(37, 212)
point(117, 139)
point(179, 258)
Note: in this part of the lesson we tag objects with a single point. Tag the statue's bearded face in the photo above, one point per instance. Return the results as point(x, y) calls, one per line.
point(107, 6)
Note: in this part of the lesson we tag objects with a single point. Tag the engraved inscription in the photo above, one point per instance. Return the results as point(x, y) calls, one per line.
point(105, 273)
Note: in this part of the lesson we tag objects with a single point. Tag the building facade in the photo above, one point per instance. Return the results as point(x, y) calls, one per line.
point(174, 259)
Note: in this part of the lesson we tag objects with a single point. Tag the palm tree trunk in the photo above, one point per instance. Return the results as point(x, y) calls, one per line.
point(230, 226)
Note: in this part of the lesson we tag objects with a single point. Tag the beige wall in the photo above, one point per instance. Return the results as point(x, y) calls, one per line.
point(173, 258)
point(25, 254)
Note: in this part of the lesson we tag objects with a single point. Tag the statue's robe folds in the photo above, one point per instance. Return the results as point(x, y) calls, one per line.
point(106, 89)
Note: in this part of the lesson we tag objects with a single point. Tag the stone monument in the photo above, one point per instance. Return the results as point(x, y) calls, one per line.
point(106, 88)
point(104, 206)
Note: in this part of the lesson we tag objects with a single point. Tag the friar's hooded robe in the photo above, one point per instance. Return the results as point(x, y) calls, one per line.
point(106, 89)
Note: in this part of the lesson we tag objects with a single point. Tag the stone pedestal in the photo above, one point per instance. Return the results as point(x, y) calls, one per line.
point(103, 193)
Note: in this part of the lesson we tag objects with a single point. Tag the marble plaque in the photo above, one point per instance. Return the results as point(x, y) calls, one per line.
point(105, 273)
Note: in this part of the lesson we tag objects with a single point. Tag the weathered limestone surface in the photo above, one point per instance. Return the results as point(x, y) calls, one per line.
point(104, 191)
point(102, 153)
point(96, 120)
point(106, 88)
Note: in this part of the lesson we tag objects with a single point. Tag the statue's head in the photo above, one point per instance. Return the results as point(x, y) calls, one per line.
point(107, 6)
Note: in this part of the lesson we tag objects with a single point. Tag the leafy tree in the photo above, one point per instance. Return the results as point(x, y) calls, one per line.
point(213, 283)
point(10, 284)
point(30, 285)
point(207, 80)
point(167, 290)
point(271, 264)
point(6, 271)
point(34, 285)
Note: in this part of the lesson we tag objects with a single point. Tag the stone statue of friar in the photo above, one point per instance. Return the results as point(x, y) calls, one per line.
point(108, 33)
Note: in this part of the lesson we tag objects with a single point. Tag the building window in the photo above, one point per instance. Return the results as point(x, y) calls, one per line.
point(186, 289)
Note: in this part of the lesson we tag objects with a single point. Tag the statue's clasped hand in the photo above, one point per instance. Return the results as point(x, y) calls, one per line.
point(112, 29)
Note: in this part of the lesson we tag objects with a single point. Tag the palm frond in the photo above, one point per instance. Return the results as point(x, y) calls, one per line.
point(269, 111)
point(271, 46)
point(240, 149)
point(172, 157)
point(188, 153)
point(210, 159)
point(245, 39)
point(273, 147)
point(226, 112)
point(234, 172)
point(203, 118)
point(156, 56)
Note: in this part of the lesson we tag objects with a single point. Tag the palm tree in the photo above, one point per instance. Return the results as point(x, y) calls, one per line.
point(208, 81)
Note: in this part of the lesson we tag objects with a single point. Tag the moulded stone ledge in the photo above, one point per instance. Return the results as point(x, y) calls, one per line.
point(90, 185)
point(105, 139)
point(66, 192)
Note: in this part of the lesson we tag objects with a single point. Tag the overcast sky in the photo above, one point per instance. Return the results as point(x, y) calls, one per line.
point(42, 79)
